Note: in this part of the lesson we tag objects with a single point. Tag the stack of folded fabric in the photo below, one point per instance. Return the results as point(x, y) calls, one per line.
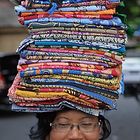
point(72, 57)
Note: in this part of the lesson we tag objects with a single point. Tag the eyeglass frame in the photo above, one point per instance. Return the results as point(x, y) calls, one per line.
point(70, 126)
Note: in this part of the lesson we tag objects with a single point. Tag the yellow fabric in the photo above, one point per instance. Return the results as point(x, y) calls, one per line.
point(31, 94)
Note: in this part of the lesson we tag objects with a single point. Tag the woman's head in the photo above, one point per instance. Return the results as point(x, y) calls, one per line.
point(70, 125)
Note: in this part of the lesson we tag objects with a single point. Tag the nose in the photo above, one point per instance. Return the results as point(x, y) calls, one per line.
point(75, 134)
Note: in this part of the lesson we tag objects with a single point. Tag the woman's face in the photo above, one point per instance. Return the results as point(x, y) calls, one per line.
point(75, 125)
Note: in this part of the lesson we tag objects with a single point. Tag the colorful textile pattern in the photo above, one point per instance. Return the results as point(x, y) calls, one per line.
point(71, 58)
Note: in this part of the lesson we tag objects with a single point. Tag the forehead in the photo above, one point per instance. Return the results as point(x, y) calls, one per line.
point(74, 115)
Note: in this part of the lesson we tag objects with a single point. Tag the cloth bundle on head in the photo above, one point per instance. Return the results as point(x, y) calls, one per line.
point(72, 57)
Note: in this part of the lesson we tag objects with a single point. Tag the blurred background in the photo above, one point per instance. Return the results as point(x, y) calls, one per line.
point(125, 121)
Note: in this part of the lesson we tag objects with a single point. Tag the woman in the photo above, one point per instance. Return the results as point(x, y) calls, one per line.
point(57, 69)
point(70, 125)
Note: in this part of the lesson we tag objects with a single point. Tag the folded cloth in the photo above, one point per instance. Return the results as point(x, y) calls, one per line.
point(65, 16)
point(65, 95)
point(39, 14)
point(115, 21)
point(44, 4)
point(65, 42)
point(105, 55)
point(72, 57)
point(111, 84)
point(58, 107)
point(80, 36)
point(36, 26)
point(20, 9)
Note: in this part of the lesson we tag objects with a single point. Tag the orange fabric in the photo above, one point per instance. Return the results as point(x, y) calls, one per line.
point(107, 12)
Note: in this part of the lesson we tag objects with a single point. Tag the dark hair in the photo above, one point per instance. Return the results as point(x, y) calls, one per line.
point(106, 127)
point(42, 128)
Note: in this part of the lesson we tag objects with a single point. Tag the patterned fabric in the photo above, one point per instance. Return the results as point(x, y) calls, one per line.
point(72, 57)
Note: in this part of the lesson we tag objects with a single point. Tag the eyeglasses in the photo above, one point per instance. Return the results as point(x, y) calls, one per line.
point(86, 127)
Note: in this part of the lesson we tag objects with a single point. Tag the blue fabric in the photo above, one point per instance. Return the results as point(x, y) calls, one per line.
point(60, 71)
point(53, 8)
point(121, 48)
point(76, 1)
point(83, 8)
point(57, 107)
point(20, 9)
point(115, 21)
point(28, 41)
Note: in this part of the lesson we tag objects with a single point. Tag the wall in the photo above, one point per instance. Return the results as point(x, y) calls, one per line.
point(10, 38)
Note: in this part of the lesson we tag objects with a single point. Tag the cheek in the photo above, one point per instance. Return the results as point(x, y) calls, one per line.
point(92, 136)
point(87, 136)
point(56, 136)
